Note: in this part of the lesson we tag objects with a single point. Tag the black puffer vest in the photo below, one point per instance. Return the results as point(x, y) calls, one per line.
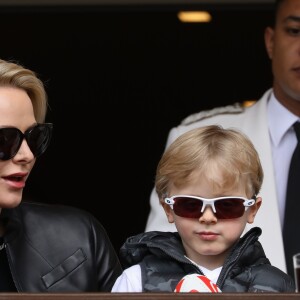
point(163, 263)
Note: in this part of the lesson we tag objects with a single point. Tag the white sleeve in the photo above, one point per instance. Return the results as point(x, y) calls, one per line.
point(157, 219)
point(129, 281)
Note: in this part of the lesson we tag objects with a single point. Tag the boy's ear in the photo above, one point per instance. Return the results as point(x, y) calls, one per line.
point(169, 212)
point(253, 210)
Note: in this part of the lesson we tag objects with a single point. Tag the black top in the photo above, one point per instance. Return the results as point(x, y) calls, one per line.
point(57, 248)
point(6, 282)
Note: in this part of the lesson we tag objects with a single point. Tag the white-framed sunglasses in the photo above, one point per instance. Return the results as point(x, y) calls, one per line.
point(229, 207)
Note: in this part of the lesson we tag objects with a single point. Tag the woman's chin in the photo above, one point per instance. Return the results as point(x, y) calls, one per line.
point(12, 202)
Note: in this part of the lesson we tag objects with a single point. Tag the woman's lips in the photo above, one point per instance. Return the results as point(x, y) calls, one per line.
point(16, 180)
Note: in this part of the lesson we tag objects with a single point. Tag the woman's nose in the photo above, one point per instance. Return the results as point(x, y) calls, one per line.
point(24, 153)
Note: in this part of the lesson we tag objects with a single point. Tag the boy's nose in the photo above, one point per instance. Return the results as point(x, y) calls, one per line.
point(208, 216)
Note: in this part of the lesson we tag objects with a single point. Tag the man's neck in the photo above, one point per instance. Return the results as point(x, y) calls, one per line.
point(290, 103)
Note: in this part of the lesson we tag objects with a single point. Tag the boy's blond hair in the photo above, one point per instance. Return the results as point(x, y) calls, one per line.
point(203, 152)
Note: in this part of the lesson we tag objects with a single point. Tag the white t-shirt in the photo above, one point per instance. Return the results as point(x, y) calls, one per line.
point(131, 279)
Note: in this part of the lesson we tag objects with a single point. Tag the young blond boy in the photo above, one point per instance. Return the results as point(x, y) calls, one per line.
point(208, 182)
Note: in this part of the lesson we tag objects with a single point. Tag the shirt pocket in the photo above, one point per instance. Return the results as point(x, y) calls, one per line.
point(63, 269)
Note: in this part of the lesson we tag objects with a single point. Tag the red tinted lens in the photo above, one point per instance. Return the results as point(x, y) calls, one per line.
point(230, 208)
point(187, 207)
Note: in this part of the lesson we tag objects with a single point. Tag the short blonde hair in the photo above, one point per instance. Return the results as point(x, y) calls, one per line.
point(208, 149)
point(15, 75)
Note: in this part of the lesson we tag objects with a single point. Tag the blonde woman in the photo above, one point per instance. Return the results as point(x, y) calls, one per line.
point(43, 248)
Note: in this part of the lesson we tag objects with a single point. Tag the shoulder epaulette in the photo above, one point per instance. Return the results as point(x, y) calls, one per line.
point(229, 109)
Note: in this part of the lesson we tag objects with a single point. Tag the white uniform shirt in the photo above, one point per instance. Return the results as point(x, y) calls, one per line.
point(283, 143)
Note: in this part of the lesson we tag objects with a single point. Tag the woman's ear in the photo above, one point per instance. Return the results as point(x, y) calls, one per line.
point(169, 212)
point(253, 210)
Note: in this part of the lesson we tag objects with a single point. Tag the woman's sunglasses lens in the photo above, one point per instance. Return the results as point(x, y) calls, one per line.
point(10, 139)
point(38, 139)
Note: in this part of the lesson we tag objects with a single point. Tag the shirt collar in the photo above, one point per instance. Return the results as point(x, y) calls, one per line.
point(280, 120)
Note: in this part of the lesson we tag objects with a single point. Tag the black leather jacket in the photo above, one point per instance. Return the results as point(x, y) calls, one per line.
point(163, 263)
point(52, 248)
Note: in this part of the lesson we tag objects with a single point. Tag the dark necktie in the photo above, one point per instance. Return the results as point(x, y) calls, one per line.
point(291, 237)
